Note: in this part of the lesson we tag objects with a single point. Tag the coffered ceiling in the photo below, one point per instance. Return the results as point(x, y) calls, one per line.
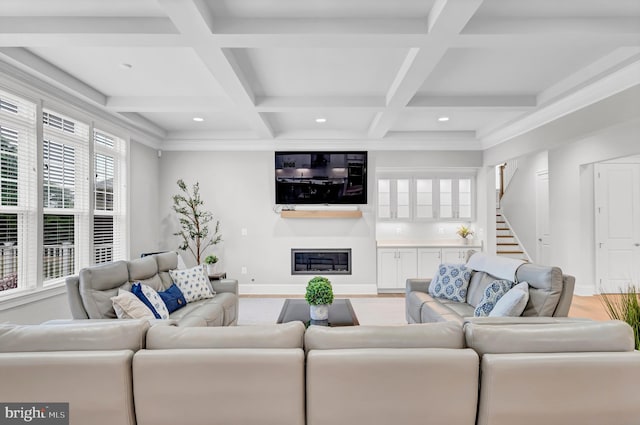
point(384, 73)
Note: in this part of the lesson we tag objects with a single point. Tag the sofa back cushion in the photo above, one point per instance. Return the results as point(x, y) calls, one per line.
point(166, 261)
point(545, 287)
point(424, 335)
point(98, 284)
point(285, 335)
point(84, 336)
point(555, 337)
point(478, 284)
point(145, 271)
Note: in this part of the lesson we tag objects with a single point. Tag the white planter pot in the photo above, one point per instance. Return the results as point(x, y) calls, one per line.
point(211, 269)
point(319, 312)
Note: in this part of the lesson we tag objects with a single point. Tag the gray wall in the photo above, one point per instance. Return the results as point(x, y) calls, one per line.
point(55, 307)
point(144, 206)
point(519, 201)
point(238, 187)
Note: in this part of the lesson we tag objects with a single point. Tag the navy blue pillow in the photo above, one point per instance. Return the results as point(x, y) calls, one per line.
point(173, 298)
point(136, 289)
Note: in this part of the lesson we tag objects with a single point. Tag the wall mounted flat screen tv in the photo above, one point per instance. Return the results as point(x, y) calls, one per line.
point(321, 178)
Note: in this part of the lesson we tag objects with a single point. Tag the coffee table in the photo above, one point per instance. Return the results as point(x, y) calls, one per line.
point(340, 313)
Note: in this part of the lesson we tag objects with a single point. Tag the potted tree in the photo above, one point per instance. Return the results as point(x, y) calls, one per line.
point(626, 307)
point(211, 261)
point(194, 222)
point(319, 295)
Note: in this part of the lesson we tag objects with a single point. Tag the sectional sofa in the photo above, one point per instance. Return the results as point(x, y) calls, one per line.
point(90, 292)
point(483, 372)
point(549, 290)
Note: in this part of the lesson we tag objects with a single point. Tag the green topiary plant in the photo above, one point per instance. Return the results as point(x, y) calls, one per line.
point(626, 307)
point(194, 221)
point(211, 259)
point(319, 291)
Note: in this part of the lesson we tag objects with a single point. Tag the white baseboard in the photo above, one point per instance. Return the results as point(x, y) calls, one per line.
point(297, 289)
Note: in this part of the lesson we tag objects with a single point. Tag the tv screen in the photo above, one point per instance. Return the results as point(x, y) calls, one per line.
point(321, 178)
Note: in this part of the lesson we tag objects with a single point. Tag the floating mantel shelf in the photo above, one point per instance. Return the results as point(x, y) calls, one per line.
point(320, 214)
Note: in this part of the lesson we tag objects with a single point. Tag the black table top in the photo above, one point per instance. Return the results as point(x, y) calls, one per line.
point(340, 313)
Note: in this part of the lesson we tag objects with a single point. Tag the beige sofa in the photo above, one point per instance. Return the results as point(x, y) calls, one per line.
point(544, 370)
point(89, 293)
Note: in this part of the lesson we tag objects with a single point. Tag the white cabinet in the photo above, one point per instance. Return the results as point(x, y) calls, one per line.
point(395, 266)
point(426, 197)
point(428, 261)
point(394, 199)
point(455, 255)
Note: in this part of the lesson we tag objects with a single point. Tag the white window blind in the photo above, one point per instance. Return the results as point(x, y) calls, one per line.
point(109, 222)
point(66, 195)
point(18, 191)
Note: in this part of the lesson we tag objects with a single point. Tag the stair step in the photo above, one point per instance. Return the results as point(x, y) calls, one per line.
point(502, 228)
point(510, 252)
point(507, 243)
point(504, 236)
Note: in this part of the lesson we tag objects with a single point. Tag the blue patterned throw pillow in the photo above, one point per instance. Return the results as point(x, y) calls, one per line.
point(173, 298)
point(492, 294)
point(451, 282)
point(193, 282)
point(151, 299)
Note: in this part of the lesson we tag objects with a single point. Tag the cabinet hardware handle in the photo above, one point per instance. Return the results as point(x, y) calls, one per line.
point(637, 244)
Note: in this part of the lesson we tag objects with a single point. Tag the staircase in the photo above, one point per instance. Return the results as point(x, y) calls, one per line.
point(506, 243)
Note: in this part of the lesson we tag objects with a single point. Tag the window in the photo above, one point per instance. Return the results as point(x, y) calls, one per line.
point(65, 195)
point(108, 195)
point(18, 191)
point(81, 213)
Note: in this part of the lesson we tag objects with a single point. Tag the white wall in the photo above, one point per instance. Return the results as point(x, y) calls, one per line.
point(519, 201)
point(144, 184)
point(238, 187)
point(571, 197)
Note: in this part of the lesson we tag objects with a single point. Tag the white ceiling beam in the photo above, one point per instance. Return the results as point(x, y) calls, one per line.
point(168, 103)
point(85, 25)
point(543, 40)
point(612, 62)
point(477, 102)
point(616, 82)
point(292, 104)
point(92, 40)
point(446, 18)
point(260, 27)
point(555, 26)
point(31, 63)
point(193, 19)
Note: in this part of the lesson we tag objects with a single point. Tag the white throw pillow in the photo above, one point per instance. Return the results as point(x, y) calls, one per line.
point(193, 282)
point(513, 302)
point(155, 300)
point(128, 306)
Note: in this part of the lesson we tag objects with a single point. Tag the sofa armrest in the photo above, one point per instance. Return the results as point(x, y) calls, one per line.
point(420, 285)
point(225, 285)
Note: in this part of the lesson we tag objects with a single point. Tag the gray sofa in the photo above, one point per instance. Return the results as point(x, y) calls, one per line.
point(89, 293)
point(550, 294)
point(551, 371)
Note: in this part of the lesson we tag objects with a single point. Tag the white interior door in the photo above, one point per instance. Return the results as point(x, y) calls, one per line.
point(618, 226)
point(543, 232)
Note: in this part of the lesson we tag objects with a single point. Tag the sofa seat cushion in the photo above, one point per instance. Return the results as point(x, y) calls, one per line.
point(436, 311)
point(212, 314)
point(463, 309)
point(229, 303)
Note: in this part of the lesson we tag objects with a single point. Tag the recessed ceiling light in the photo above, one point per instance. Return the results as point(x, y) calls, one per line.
point(321, 120)
point(443, 119)
point(125, 65)
point(198, 119)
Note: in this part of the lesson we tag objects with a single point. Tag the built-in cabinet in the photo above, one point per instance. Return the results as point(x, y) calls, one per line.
point(425, 197)
point(397, 264)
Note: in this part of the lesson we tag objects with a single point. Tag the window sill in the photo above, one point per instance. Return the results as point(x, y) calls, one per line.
point(27, 296)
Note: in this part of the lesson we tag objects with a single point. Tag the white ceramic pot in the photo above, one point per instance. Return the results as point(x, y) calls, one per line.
point(319, 312)
point(211, 269)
